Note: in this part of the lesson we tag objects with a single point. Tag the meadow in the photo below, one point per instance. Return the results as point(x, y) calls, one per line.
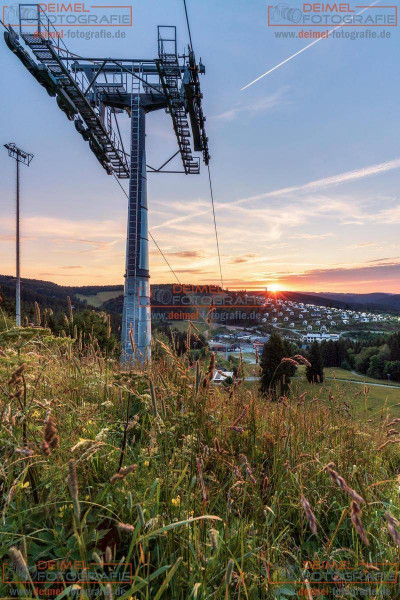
point(189, 490)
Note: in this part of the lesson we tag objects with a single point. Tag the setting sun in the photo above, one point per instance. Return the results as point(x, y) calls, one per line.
point(274, 287)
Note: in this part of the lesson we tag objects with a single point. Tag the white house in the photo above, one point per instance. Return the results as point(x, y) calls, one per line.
point(319, 337)
point(220, 376)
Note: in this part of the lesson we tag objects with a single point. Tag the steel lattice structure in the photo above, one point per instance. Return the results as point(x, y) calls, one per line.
point(91, 92)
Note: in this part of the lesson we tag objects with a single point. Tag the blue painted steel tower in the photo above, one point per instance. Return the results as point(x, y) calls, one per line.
point(136, 318)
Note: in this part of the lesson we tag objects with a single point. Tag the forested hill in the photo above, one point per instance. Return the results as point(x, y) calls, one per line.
point(109, 297)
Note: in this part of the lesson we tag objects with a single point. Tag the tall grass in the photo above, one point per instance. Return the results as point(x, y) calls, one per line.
point(207, 492)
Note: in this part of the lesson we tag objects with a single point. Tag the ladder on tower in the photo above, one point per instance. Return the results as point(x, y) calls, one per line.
point(134, 217)
point(171, 80)
point(72, 93)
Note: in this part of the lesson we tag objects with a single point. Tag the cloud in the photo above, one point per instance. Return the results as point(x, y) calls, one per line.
point(313, 206)
point(242, 259)
point(72, 267)
point(384, 260)
point(311, 236)
point(194, 271)
point(64, 275)
point(334, 180)
point(377, 275)
point(265, 104)
point(187, 254)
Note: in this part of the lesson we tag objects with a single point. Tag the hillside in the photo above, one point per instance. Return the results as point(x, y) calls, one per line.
point(108, 297)
point(198, 491)
point(375, 301)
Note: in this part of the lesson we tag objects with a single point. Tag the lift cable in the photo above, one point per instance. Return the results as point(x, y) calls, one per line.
point(215, 225)
point(150, 234)
point(208, 166)
point(188, 26)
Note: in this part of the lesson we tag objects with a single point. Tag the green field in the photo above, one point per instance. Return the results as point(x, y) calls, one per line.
point(364, 400)
point(370, 402)
point(337, 373)
point(97, 299)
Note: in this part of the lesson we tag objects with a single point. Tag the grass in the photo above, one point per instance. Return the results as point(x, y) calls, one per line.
point(368, 405)
point(97, 300)
point(337, 373)
point(215, 493)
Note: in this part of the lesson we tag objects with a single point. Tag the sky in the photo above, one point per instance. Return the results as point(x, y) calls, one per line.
point(305, 162)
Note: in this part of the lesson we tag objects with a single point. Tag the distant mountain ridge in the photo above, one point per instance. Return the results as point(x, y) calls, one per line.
point(373, 301)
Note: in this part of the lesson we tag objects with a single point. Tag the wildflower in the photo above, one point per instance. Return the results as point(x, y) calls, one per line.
point(146, 463)
point(176, 501)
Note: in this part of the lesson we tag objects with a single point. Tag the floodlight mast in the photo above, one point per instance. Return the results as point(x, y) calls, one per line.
point(91, 92)
point(25, 158)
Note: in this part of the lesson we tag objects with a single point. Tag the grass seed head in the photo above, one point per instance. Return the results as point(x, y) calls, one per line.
point(309, 514)
point(19, 562)
point(125, 527)
point(355, 512)
point(392, 523)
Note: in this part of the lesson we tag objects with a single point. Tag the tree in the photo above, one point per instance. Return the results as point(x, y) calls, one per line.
point(91, 326)
point(315, 372)
point(376, 366)
point(392, 368)
point(274, 372)
point(363, 359)
point(394, 346)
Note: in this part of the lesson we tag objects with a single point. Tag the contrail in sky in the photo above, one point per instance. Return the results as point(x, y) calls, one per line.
point(303, 49)
point(312, 187)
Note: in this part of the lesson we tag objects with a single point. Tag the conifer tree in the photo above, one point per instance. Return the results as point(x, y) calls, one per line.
point(275, 374)
point(315, 372)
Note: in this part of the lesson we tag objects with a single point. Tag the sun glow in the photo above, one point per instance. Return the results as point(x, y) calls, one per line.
point(274, 287)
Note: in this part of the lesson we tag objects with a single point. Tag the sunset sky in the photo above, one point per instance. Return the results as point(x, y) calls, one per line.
point(305, 163)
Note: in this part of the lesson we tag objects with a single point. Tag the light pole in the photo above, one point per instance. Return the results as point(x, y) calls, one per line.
point(20, 157)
